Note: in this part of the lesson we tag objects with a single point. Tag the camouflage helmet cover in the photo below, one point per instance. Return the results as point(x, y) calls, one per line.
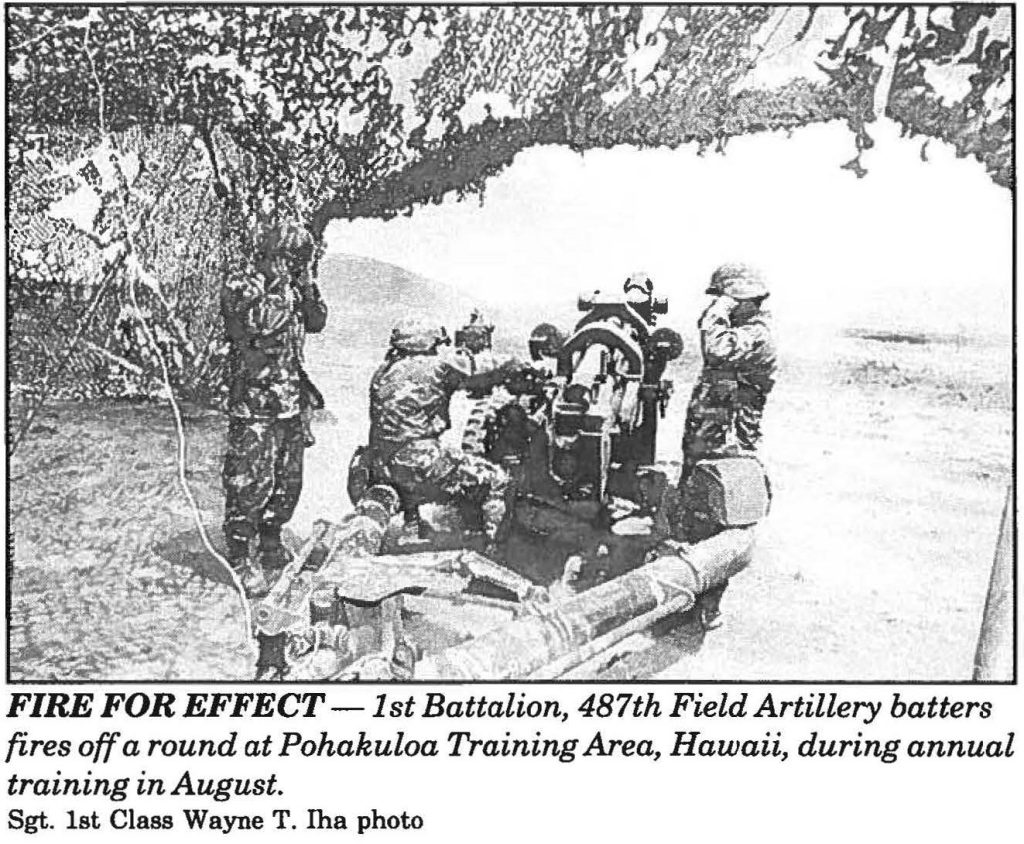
point(739, 281)
point(416, 334)
point(286, 238)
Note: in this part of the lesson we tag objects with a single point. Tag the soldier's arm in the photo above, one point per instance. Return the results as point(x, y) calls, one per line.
point(454, 373)
point(237, 297)
point(312, 307)
point(251, 314)
point(726, 343)
point(457, 375)
point(482, 382)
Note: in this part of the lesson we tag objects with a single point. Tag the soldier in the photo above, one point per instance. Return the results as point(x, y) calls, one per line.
point(266, 315)
point(728, 400)
point(738, 347)
point(409, 407)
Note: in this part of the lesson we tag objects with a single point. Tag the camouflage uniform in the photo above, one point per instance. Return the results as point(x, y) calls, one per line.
point(409, 398)
point(733, 387)
point(738, 347)
point(266, 319)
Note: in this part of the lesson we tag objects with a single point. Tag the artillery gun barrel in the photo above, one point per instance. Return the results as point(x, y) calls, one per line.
point(595, 647)
point(522, 647)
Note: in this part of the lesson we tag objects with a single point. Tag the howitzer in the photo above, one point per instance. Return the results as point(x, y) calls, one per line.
point(576, 429)
point(582, 425)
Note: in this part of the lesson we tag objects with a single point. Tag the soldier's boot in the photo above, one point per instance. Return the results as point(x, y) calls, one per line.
point(250, 575)
point(709, 611)
point(415, 523)
point(272, 553)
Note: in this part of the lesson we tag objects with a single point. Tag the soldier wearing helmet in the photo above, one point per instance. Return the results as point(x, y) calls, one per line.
point(267, 313)
point(409, 410)
point(728, 400)
point(738, 347)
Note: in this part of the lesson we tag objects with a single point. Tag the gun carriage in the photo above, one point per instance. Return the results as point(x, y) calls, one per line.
point(576, 429)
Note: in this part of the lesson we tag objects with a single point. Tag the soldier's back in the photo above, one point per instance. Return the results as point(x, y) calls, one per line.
point(409, 399)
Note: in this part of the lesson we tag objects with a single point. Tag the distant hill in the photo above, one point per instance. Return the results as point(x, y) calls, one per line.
point(366, 297)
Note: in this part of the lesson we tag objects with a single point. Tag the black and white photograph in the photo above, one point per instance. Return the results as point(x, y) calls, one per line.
point(476, 343)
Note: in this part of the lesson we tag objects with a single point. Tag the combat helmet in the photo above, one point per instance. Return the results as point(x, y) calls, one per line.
point(416, 334)
point(285, 238)
point(739, 281)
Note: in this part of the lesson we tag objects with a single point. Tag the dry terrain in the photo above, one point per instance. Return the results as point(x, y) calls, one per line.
point(890, 456)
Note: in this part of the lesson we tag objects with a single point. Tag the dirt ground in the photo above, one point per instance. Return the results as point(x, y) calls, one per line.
point(889, 454)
